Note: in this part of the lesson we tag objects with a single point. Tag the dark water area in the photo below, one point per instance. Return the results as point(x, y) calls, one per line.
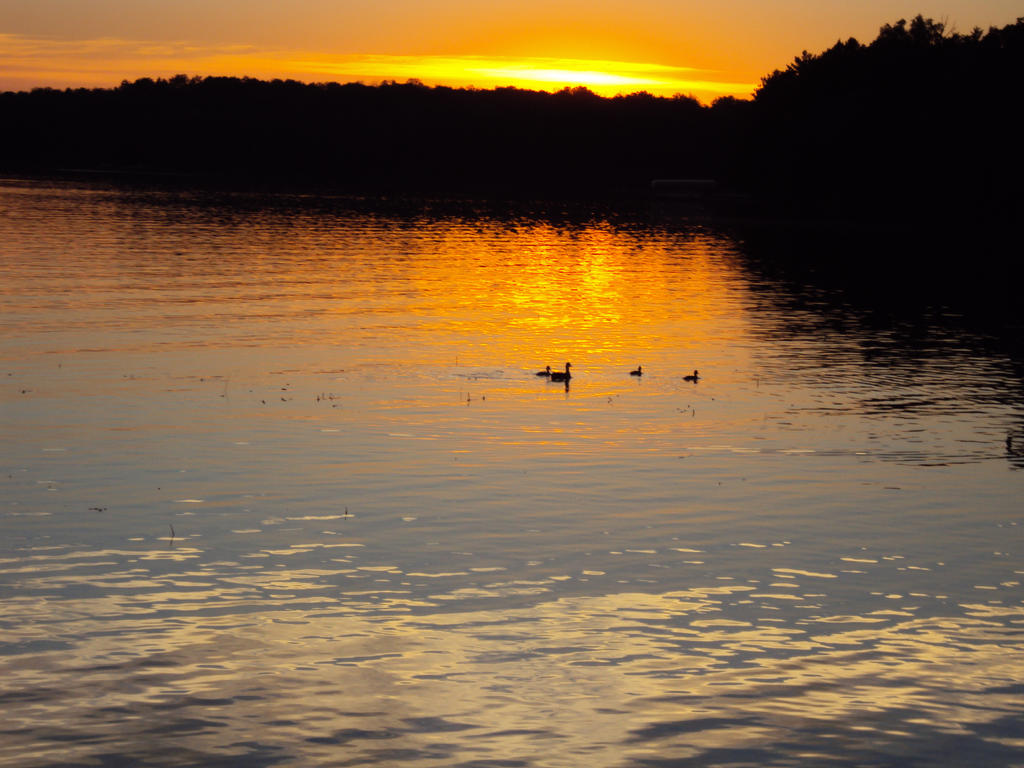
point(281, 486)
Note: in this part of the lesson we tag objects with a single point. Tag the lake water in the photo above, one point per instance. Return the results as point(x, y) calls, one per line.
point(281, 487)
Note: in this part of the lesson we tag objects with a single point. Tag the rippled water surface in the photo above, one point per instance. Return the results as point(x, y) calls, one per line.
point(281, 487)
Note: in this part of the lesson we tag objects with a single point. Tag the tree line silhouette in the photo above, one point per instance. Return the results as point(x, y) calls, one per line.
point(918, 120)
point(921, 121)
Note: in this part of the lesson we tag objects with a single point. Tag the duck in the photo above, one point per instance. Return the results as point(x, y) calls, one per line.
point(559, 376)
point(638, 372)
point(695, 376)
point(545, 372)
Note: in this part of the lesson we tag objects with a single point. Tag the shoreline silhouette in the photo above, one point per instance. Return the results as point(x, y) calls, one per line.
point(873, 131)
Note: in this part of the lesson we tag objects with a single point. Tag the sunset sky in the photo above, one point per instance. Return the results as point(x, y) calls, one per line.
point(611, 46)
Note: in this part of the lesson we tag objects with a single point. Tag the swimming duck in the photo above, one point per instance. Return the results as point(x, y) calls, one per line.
point(638, 372)
point(695, 376)
point(559, 376)
point(545, 372)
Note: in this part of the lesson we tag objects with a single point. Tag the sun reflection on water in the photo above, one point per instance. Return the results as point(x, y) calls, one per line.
point(619, 673)
point(283, 486)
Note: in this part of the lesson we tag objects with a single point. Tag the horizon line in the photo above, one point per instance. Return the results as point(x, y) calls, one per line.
point(31, 62)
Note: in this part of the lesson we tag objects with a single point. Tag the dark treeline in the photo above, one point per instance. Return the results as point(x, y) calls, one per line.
point(919, 121)
point(404, 137)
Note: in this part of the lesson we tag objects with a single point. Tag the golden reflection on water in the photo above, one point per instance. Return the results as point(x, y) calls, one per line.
point(514, 295)
point(281, 486)
point(619, 676)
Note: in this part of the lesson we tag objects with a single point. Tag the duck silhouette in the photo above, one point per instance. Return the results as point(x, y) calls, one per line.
point(695, 376)
point(559, 376)
point(545, 372)
point(638, 372)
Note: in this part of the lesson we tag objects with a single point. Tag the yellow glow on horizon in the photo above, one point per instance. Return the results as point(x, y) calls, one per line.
point(561, 76)
point(30, 62)
point(605, 77)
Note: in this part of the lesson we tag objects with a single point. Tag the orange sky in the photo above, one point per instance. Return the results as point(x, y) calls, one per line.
point(611, 46)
